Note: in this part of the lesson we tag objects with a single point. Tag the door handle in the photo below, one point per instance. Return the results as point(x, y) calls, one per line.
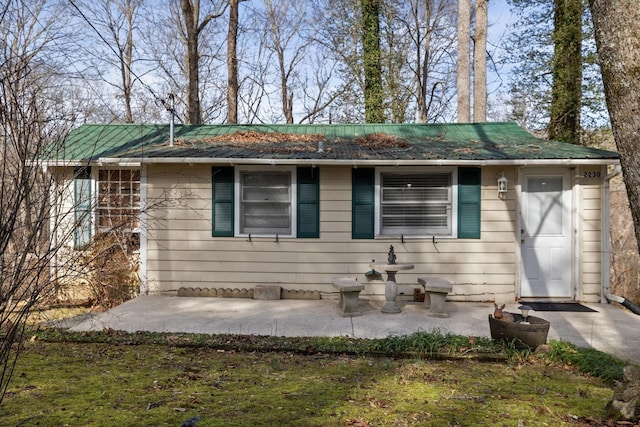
point(522, 239)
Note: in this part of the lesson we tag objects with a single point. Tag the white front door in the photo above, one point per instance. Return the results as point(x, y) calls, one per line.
point(546, 236)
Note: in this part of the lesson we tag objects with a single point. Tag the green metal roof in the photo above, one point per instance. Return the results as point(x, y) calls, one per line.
point(358, 142)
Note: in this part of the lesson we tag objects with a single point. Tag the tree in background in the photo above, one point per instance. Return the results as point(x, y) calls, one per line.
point(338, 29)
point(113, 24)
point(165, 44)
point(430, 26)
point(531, 55)
point(191, 31)
point(394, 55)
point(566, 90)
point(232, 62)
point(480, 61)
point(617, 34)
point(33, 113)
point(463, 80)
point(285, 38)
point(373, 92)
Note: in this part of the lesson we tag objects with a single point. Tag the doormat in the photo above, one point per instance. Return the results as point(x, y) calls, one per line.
point(559, 306)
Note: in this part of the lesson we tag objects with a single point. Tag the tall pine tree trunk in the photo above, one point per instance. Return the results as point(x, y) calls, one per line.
point(617, 31)
point(463, 80)
point(373, 108)
point(566, 92)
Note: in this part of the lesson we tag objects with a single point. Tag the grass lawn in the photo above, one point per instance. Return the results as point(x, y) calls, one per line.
point(73, 383)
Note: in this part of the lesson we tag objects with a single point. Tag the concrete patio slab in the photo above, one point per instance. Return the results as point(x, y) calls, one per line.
point(610, 329)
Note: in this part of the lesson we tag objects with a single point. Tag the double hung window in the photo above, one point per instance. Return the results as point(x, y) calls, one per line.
point(280, 202)
point(265, 202)
point(418, 204)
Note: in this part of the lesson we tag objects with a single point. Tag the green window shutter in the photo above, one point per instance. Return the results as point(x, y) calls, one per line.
point(362, 203)
point(82, 207)
point(308, 202)
point(469, 195)
point(222, 197)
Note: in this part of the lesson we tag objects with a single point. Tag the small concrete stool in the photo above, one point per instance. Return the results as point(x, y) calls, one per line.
point(349, 292)
point(436, 290)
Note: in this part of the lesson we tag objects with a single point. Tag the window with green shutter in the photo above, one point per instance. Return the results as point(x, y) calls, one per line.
point(308, 203)
point(223, 201)
point(267, 203)
point(416, 203)
point(469, 195)
point(419, 202)
point(363, 203)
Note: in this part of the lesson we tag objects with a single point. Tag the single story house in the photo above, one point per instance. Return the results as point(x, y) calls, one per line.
point(500, 213)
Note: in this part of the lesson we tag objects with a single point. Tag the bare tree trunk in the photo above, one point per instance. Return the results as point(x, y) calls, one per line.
point(617, 31)
point(127, 61)
point(463, 81)
point(232, 63)
point(115, 22)
point(422, 62)
point(29, 98)
point(283, 37)
point(190, 13)
point(193, 28)
point(480, 62)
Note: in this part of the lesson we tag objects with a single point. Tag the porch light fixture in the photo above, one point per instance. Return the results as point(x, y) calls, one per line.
point(502, 184)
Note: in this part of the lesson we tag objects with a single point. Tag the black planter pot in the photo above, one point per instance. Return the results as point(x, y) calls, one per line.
point(523, 335)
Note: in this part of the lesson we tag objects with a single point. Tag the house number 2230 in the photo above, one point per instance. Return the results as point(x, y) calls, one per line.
point(592, 174)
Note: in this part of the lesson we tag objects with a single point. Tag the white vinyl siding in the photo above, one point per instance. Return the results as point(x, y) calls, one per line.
point(182, 252)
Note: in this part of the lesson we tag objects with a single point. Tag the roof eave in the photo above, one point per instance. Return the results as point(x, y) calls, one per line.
point(356, 162)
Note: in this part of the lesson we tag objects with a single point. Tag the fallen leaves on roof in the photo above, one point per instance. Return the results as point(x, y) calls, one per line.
point(278, 142)
point(253, 137)
point(465, 150)
point(380, 141)
point(266, 142)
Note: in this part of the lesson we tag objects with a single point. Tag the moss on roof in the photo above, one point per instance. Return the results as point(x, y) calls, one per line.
point(477, 141)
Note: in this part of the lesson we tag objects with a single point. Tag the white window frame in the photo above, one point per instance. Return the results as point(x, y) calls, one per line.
point(238, 199)
point(135, 231)
point(453, 211)
point(90, 181)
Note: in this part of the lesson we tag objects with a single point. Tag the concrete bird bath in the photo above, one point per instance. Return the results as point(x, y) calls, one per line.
point(391, 287)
